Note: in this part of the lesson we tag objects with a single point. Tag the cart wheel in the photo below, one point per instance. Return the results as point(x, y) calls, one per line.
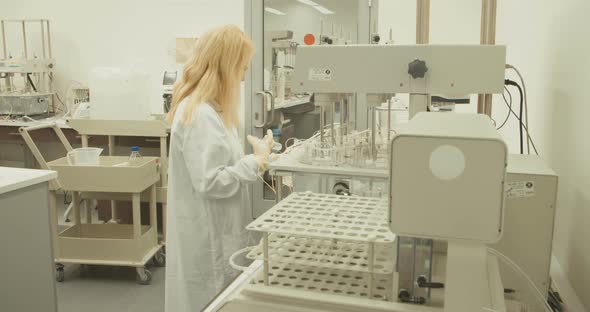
point(159, 259)
point(59, 273)
point(144, 276)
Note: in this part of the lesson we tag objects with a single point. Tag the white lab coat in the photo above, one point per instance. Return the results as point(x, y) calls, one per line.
point(208, 208)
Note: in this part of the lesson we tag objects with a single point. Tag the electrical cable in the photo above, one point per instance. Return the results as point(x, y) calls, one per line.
point(509, 108)
point(521, 109)
point(31, 82)
point(270, 187)
point(526, 102)
point(525, 128)
point(520, 271)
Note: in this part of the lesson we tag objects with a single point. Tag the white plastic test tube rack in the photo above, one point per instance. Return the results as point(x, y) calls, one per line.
point(344, 242)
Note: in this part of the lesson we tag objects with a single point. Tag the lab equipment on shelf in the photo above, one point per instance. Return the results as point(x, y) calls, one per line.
point(26, 71)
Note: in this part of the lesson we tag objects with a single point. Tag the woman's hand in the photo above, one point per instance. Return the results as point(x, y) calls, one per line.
point(262, 149)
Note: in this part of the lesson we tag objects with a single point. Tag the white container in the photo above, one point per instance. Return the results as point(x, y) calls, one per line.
point(85, 156)
point(119, 94)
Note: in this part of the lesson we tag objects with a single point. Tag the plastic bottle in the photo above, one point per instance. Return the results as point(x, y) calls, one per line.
point(134, 154)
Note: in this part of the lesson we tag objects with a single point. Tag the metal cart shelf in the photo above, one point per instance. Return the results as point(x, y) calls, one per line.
point(104, 244)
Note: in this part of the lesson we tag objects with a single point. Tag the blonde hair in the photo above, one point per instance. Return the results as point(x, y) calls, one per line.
point(213, 74)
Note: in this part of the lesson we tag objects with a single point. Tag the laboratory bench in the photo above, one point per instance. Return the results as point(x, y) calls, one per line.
point(27, 255)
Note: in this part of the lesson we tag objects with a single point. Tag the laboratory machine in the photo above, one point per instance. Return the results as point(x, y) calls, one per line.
point(26, 68)
point(447, 173)
point(366, 209)
point(278, 29)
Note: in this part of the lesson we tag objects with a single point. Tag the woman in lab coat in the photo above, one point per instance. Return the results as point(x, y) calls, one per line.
point(208, 175)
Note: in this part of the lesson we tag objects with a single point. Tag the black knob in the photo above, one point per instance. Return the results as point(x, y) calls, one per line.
point(376, 38)
point(417, 69)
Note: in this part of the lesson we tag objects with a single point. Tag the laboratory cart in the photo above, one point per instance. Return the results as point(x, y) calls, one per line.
point(132, 245)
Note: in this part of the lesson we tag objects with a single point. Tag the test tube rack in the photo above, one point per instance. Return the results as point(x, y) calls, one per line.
point(326, 243)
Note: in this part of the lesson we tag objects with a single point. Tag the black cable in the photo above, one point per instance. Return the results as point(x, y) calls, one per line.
point(525, 128)
point(31, 82)
point(509, 82)
point(509, 108)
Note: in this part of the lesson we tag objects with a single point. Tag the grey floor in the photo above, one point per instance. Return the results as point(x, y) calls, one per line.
point(111, 289)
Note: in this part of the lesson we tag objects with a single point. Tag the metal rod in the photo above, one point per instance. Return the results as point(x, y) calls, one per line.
point(322, 122)
point(114, 216)
point(25, 40)
point(371, 259)
point(48, 39)
point(484, 21)
point(388, 120)
point(373, 112)
point(265, 257)
point(43, 39)
point(3, 40)
point(279, 189)
point(342, 119)
point(76, 201)
point(332, 121)
point(135, 203)
point(164, 181)
point(487, 36)
point(423, 21)
point(153, 207)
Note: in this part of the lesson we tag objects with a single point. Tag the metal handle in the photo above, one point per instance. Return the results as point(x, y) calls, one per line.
point(266, 123)
point(264, 95)
point(272, 108)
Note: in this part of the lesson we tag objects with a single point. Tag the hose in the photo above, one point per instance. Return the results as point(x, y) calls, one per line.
point(233, 264)
point(516, 268)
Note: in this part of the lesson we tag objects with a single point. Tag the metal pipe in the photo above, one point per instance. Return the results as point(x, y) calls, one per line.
point(332, 121)
point(25, 40)
point(371, 259)
point(279, 190)
point(342, 118)
point(487, 36)
point(422, 21)
point(3, 40)
point(43, 39)
point(484, 21)
point(322, 122)
point(373, 132)
point(48, 39)
point(265, 257)
point(388, 120)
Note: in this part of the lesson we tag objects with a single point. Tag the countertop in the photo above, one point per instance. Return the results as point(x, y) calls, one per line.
point(16, 178)
point(20, 123)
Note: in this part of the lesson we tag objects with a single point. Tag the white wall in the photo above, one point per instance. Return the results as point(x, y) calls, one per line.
point(548, 41)
point(86, 34)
